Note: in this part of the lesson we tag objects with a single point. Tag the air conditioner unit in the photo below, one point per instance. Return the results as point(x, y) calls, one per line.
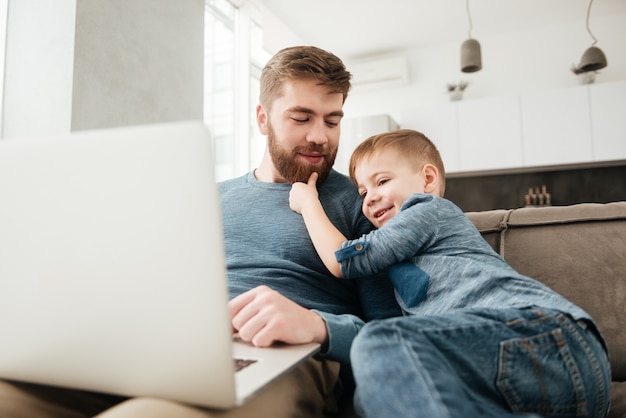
point(378, 72)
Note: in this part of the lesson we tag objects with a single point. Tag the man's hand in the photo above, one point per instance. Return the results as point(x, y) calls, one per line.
point(263, 316)
point(302, 195)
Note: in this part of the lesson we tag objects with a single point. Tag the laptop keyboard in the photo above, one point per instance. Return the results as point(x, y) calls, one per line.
point(241, 363)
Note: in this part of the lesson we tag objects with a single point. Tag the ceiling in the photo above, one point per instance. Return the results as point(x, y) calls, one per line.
point(360, 28)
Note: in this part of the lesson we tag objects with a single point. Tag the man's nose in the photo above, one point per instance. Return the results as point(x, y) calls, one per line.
point(317, 134)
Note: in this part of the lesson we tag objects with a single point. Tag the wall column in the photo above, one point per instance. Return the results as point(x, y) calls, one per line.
point(87, 64)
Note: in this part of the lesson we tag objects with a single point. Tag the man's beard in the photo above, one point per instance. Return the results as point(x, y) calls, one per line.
point(291, 168)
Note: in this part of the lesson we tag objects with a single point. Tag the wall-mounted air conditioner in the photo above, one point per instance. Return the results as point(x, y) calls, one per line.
point(382, 71)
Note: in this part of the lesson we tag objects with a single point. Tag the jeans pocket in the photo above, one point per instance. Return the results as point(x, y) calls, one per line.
point(538, 375)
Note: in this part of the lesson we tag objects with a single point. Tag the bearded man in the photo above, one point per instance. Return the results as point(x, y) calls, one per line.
point(280, 290)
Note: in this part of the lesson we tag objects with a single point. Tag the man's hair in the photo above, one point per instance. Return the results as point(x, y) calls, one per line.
point(411, 145)
point(302, 62)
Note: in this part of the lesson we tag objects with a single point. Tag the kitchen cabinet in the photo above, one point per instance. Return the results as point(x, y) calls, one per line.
point(576, 125)
point(608, 120)
point(440, 124)
point(556, 127)
point(489, 134)
point(472, 135)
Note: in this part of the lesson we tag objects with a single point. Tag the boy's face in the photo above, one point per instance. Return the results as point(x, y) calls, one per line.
point(303, 129)
point(385, 181)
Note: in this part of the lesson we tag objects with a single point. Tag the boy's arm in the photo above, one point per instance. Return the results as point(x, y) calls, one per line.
point(327, 239)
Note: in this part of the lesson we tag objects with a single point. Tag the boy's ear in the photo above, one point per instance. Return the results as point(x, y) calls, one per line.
point(261, 119)
point(431, 179)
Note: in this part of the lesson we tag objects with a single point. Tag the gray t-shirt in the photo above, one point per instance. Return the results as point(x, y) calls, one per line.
point(267, 243)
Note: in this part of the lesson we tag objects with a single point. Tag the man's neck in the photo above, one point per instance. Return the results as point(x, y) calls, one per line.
point(266, 172)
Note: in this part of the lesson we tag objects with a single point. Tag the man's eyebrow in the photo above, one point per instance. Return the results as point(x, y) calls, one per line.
point(301, 109)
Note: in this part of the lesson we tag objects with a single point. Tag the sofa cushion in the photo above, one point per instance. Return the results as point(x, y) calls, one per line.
point(579, 251)
point(618, 400)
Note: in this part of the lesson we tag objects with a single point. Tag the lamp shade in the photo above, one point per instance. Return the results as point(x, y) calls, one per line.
point(592, 59)
point(470, 56)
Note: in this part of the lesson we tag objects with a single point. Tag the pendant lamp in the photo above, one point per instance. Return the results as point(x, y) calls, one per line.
point(471, 60)
point(593, 58)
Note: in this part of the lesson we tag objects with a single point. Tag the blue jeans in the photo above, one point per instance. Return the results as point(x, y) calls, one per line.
point(481, 363)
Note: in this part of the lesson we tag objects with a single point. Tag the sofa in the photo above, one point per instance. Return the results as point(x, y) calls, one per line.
point(580, 252)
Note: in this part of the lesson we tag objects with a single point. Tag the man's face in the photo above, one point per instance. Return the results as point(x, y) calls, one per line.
point(303, 130)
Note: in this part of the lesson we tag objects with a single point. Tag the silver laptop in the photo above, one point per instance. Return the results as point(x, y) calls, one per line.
point(112, 274)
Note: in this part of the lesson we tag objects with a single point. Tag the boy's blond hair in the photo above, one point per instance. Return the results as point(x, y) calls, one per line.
point(411, 145)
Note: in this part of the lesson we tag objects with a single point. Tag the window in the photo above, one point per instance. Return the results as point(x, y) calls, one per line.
point(234, 57)
point(4, 4)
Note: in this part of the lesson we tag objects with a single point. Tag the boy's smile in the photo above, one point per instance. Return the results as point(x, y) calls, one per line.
point(385, 181)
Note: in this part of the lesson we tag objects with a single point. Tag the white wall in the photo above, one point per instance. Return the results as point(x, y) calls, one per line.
point(516, 63)
point(137, 62)
point(38, 67)
point(87, 64)
point(513, 64)
point(4, 7)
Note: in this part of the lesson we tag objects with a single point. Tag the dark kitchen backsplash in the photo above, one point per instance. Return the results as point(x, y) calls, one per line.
point(564, 186)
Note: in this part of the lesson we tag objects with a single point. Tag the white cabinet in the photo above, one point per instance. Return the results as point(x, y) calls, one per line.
point(490, 134)
point(472, 135)
point(608, 120)
point(556, 127)
point(574, 125)
point(439, 124)
point(354, 131)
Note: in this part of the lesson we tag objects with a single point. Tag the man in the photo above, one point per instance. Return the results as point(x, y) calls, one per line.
point(280, 289)
point(297, 300)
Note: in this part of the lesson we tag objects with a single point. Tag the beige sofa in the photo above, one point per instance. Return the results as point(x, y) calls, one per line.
point(579, 251)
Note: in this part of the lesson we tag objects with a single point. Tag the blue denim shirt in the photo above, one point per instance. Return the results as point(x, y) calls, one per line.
point(463, 271)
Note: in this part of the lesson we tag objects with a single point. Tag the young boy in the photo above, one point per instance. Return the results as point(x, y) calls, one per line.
point(455, 350)
point(409, 164)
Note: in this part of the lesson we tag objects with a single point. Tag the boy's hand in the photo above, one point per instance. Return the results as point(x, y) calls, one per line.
point(304, 199)
point(302, 195)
